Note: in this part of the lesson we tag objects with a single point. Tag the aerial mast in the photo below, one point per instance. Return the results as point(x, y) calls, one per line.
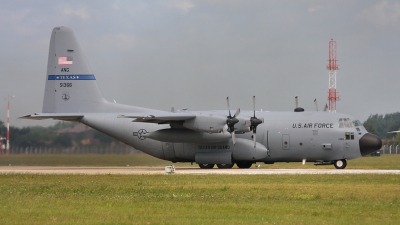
point(332, 67)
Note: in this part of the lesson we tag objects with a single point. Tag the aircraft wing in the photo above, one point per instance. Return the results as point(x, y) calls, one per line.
point(159, 117)
point(56, 116)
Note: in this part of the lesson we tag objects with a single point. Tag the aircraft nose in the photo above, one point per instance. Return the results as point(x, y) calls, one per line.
point(369, 143)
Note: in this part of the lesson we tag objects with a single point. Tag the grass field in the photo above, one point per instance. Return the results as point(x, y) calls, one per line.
point(199, 199)
point(382, 162)
point(196, 199)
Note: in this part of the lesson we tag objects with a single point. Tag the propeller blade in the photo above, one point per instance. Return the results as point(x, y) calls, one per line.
point(233, 137)
point(296, 101)
point(236, 113)
point(227, 102)
point(254, 137)
point(254, 105)
point(316, 106)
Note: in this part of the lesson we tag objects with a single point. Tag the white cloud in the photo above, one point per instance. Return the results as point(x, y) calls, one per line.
point(14, 18)
point(185, 6)
point(81, 13)
point(383, 13)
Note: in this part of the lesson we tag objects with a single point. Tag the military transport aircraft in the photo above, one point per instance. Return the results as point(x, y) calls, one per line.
point(204, 137)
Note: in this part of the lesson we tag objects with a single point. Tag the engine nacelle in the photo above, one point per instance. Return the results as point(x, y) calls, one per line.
point(186, 136)
point(209, 123)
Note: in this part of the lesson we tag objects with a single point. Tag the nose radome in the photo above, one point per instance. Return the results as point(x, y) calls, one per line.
point(369, 143)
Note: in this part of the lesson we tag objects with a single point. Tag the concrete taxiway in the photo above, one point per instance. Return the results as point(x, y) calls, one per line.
point(178, 170)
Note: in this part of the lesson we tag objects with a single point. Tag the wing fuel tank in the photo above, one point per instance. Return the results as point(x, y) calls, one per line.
point(187, 136)
point(244, 150)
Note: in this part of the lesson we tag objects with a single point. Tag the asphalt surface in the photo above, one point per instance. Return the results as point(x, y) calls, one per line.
point(178, 170)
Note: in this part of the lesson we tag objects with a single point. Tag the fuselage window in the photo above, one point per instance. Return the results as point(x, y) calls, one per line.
point(349, 136)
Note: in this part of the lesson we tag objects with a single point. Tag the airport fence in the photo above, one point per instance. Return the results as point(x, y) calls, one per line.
point(390, 149)
point(75, 150)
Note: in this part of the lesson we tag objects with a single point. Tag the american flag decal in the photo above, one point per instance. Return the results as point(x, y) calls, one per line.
point(65, 60)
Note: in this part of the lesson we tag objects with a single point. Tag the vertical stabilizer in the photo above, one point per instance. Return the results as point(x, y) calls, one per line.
point(70, 84)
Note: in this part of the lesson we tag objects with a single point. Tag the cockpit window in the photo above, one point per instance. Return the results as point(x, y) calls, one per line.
point(341, 123)
point(347, 123)
point(356, 123)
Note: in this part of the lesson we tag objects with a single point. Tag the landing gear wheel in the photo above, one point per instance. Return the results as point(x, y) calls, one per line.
point(340, 164)
point(244, 165)
point(225, 166)
point(206, 166)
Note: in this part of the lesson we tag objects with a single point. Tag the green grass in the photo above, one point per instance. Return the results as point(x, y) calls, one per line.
point(199, 199)
point(383, 162)
point(81, 160)
point(196, 199)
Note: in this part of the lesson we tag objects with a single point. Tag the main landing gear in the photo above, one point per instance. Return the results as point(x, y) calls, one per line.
point(225, 166)
point(206, 166)
point(242, 165)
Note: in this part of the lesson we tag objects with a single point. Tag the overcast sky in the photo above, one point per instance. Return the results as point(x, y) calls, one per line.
point(193, 54)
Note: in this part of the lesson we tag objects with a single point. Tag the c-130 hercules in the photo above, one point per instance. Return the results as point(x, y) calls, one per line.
point(204, 137)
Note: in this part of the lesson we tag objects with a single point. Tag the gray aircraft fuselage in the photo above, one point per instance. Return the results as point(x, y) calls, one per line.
point(283, 137)
point(204, 137)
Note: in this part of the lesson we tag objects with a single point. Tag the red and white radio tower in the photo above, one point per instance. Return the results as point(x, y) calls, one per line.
point(332, 67)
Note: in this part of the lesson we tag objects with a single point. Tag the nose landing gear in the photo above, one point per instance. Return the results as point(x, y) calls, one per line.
point(340, 164)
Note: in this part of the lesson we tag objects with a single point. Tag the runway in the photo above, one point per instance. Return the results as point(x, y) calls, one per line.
point(178, 170)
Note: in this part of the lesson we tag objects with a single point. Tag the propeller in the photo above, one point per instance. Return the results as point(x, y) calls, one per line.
point(254, 121)
point(316, 106)
point(231, 121)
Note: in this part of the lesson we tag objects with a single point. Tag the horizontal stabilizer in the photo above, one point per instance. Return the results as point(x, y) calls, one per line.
point(161, 117)
point(56, 116)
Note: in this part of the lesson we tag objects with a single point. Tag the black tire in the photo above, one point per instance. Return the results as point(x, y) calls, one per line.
point(206, 166)
point(225, 166)
point(340, 164)
point(244, 165)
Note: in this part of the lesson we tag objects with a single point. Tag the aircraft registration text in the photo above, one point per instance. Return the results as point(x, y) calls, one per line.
point(65, 84)
point(312, 125)
point(214, 147)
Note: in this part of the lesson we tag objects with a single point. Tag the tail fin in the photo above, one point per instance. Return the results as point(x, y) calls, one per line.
point(70, 84)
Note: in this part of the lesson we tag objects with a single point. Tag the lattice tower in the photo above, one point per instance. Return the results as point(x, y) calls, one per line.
point(332, 67)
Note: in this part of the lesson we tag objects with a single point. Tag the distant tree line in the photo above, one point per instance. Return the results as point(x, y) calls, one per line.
point(382, 124)
point(58, 136)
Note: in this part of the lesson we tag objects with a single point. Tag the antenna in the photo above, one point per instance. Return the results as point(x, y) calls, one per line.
point(332, 67)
